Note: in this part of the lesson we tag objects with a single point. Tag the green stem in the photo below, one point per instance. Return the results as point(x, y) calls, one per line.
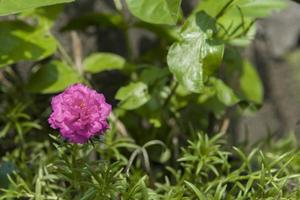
point(173, 90)
point(222, 11)
point(64, 54)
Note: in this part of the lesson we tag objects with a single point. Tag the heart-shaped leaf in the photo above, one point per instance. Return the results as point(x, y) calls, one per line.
point(197, 55)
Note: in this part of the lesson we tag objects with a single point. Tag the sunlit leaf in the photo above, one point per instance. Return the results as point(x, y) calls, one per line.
point(261, 8)
point(99, 62)
point(197, 55)
point(20, 41)
point(156, 12)
point(14, 6)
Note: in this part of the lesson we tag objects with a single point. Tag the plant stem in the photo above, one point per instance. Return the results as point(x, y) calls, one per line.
point(173, 90)
point(77, 51)
point(64, 54)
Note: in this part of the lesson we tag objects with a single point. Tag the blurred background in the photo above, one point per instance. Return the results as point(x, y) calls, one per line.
point(275, 53)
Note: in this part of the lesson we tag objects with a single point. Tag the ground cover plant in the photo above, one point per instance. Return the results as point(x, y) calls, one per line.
point(148, 125)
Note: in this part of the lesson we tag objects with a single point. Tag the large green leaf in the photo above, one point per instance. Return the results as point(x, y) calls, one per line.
point(155, 11)
point(19, 41)
point(133, 95)
point(8, 7)
point(54, 77)
point(99, 62)
point(243, 76)
point(197, 55)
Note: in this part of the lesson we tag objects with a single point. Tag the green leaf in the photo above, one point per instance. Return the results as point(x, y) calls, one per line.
point(156, 12)
point(224, 93)
point(151, 74)
point(261, 8)
point(5, 130)
point(250, 83)
point(45, 16)
point(212, 7)
point(249, 8)
point(89, 194)
point(19, 41)
point(235, 18)
point(233, 25)
point(8, 7)
point(99, 62)
point(54, 77)
point(197, 55)
point(245, 38)
point(133, 95)
point(198, 193)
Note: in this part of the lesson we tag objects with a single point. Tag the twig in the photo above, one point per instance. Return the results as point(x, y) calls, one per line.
point(118, 4)
point(119, 125)
point(222, 11)
point(77, 51)
point(64, 54)
point(224, 126)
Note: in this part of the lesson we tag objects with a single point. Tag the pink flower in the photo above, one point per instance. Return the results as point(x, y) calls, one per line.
point(79, 113)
